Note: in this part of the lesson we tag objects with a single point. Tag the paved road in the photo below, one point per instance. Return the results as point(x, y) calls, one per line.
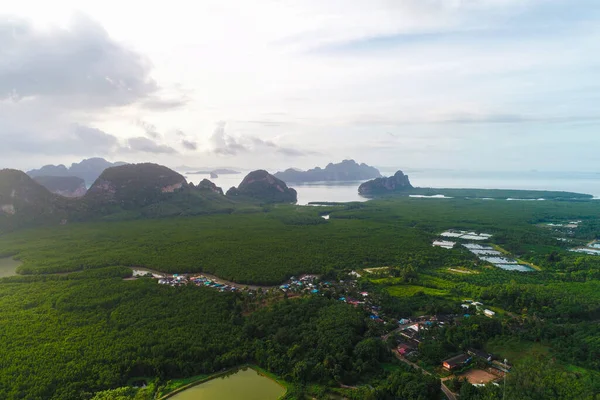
point(447, 392)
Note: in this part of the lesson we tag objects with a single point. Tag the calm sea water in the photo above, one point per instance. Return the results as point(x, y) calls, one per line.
point(580, 182)
point(339, 191)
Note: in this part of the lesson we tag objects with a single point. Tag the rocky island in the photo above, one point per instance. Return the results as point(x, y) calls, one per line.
point(265, 187)
point(208, 186)
point(396, 183)
point(347, 170)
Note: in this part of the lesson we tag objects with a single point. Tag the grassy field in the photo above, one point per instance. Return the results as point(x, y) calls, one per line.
point(515, 350)
point(411, 290)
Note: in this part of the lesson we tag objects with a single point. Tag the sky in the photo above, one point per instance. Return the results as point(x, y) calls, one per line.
point(498, 85)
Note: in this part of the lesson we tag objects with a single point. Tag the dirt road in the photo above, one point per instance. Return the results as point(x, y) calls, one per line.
point(447, 392)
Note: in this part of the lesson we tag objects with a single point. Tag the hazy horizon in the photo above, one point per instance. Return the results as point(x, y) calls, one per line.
point(384, 169)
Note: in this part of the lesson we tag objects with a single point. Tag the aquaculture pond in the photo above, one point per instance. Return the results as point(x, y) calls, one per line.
point(244, 384)
point(8, 266)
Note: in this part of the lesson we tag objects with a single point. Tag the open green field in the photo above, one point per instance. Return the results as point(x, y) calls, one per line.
point(514, 350)
point(411, 290)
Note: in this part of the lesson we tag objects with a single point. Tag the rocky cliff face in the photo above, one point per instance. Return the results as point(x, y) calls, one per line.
point(395, 183)
point(265, 187)
point(347, 170)
point(66, 186)
point(208, 186)
point(135, 185)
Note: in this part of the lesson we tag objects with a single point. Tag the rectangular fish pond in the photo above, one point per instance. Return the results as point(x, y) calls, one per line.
point(243, 384)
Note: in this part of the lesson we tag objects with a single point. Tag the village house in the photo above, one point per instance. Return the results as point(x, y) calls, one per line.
point(480, 354)
point(456, 362)
point(404, 349)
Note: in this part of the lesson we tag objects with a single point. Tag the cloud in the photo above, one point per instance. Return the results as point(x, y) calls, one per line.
point(355, 25)
point(149, 129)
point(78, 140)
point(267, 123)
point(287, 151)
point(79, 65)
point(189, 145)
point(224, 144)
point(95, 138)
point(145, 145)
point(290, 152)
point(158, 104)
point(259, 142)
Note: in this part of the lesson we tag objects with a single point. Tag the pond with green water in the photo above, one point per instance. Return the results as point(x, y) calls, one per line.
point(245, 384)
point(8, 266)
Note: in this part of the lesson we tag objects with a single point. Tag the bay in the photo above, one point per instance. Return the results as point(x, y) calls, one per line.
point(579, 182)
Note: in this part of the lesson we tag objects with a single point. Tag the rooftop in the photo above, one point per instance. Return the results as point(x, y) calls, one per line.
point(456, 360)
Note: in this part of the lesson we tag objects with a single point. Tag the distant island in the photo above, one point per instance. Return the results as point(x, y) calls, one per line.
point(399, 185)
point(66, 186)
point(347, 170)
point(395, 183)
point(89, 169)
point(218, 171)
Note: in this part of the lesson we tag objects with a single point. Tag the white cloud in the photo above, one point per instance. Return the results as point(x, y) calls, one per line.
point(145, 145)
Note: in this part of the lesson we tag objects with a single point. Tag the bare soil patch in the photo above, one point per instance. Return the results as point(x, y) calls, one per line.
point(479, 376)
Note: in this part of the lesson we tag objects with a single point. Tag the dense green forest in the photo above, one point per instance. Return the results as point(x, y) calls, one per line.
point(70, 336)
point(268, 247)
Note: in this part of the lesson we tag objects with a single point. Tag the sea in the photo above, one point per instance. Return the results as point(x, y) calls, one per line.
point(579, 182)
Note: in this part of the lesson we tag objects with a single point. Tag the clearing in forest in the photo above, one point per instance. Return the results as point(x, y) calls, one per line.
point(478, 376)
